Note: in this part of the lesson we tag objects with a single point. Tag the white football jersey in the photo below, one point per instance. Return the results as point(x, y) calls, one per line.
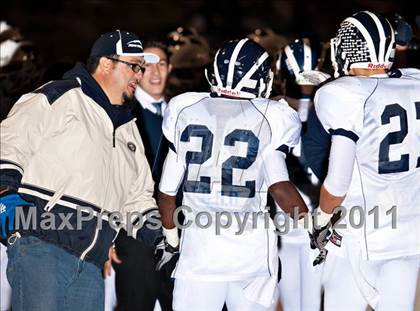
point(382, 115)
point(228, 152)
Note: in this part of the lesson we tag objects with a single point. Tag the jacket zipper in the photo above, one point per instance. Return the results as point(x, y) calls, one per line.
point(92, 244)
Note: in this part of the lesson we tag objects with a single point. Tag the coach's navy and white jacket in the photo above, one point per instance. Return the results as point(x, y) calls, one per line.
point(64, 145)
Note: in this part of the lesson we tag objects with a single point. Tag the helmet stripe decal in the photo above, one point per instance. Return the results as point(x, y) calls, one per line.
point(292, 60)
point(216, 70)
point(232, 62)
point(251, 71)
point(307, 55)
point(381, 54)
point(390, 48)
point(246, 65)
point(367, 37)
point(367, 21)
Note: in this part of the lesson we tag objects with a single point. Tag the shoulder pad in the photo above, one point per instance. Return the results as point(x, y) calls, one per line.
point(184, 100)
point(410, 72)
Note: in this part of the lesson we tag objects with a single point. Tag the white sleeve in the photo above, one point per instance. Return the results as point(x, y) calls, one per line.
point(169, 124)
point(340, 110)
point(275, 168)
point(340, 167)
point(172, 174)
point(172, 111)
point(286, 127)
point(21, 134)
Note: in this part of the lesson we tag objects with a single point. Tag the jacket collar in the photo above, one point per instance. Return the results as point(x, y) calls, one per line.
point(119, 115)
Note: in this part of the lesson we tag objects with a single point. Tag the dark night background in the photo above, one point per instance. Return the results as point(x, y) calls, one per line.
point(65, 30)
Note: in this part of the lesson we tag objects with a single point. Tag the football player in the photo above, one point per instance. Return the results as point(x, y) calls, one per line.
point(373, 117)
point(227, 149)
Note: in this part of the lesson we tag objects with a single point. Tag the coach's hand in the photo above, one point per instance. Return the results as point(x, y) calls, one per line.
point(112, 257)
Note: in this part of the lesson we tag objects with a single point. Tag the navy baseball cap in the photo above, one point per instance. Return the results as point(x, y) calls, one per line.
point(121, 43)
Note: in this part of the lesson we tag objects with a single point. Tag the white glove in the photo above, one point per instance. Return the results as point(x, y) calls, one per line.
point(311, 77)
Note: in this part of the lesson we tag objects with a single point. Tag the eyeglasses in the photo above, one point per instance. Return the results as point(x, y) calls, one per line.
point(135, 67)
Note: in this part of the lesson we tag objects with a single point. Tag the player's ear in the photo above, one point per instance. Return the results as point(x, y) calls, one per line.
point(169, 68)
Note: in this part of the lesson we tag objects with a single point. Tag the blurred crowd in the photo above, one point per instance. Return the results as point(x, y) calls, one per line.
point(23, 68)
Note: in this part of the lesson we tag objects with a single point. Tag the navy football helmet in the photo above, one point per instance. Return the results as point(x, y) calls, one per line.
point(296, 58)
point(241, 68)
point(364, 40)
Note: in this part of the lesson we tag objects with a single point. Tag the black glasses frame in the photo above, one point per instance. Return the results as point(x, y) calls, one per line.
point(135, 67)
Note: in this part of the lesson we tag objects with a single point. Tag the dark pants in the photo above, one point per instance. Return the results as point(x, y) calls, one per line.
point(137, 283)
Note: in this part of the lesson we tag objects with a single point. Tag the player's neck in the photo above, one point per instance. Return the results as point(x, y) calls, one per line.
point(233, 97)
point(366, 72)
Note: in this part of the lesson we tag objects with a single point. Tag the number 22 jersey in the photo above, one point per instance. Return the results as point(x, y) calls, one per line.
point(224, 155)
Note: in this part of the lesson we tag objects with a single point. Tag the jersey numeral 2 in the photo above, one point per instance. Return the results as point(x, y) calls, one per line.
point(386, 166)
point(193, 157)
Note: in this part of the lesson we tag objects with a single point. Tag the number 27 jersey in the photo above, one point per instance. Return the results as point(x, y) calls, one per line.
point(382, 115)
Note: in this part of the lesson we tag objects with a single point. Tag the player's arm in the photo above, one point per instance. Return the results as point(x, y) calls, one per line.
point(333, 191)
point(340, 112)
point(167, 206)
point(340, 171)
point(288, 198)
point(286, 133)
point(328, 201)
point(172, 176)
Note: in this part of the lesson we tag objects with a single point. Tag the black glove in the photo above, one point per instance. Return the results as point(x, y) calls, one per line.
point(164, 253)
point(321, 257)
point(319, 237)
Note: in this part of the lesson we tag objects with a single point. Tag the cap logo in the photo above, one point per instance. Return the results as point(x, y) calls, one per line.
point(135, 44)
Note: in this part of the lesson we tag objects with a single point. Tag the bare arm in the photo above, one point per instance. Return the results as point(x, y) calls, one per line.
point(167, 206)
point(329, 202)
point(288, 198)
